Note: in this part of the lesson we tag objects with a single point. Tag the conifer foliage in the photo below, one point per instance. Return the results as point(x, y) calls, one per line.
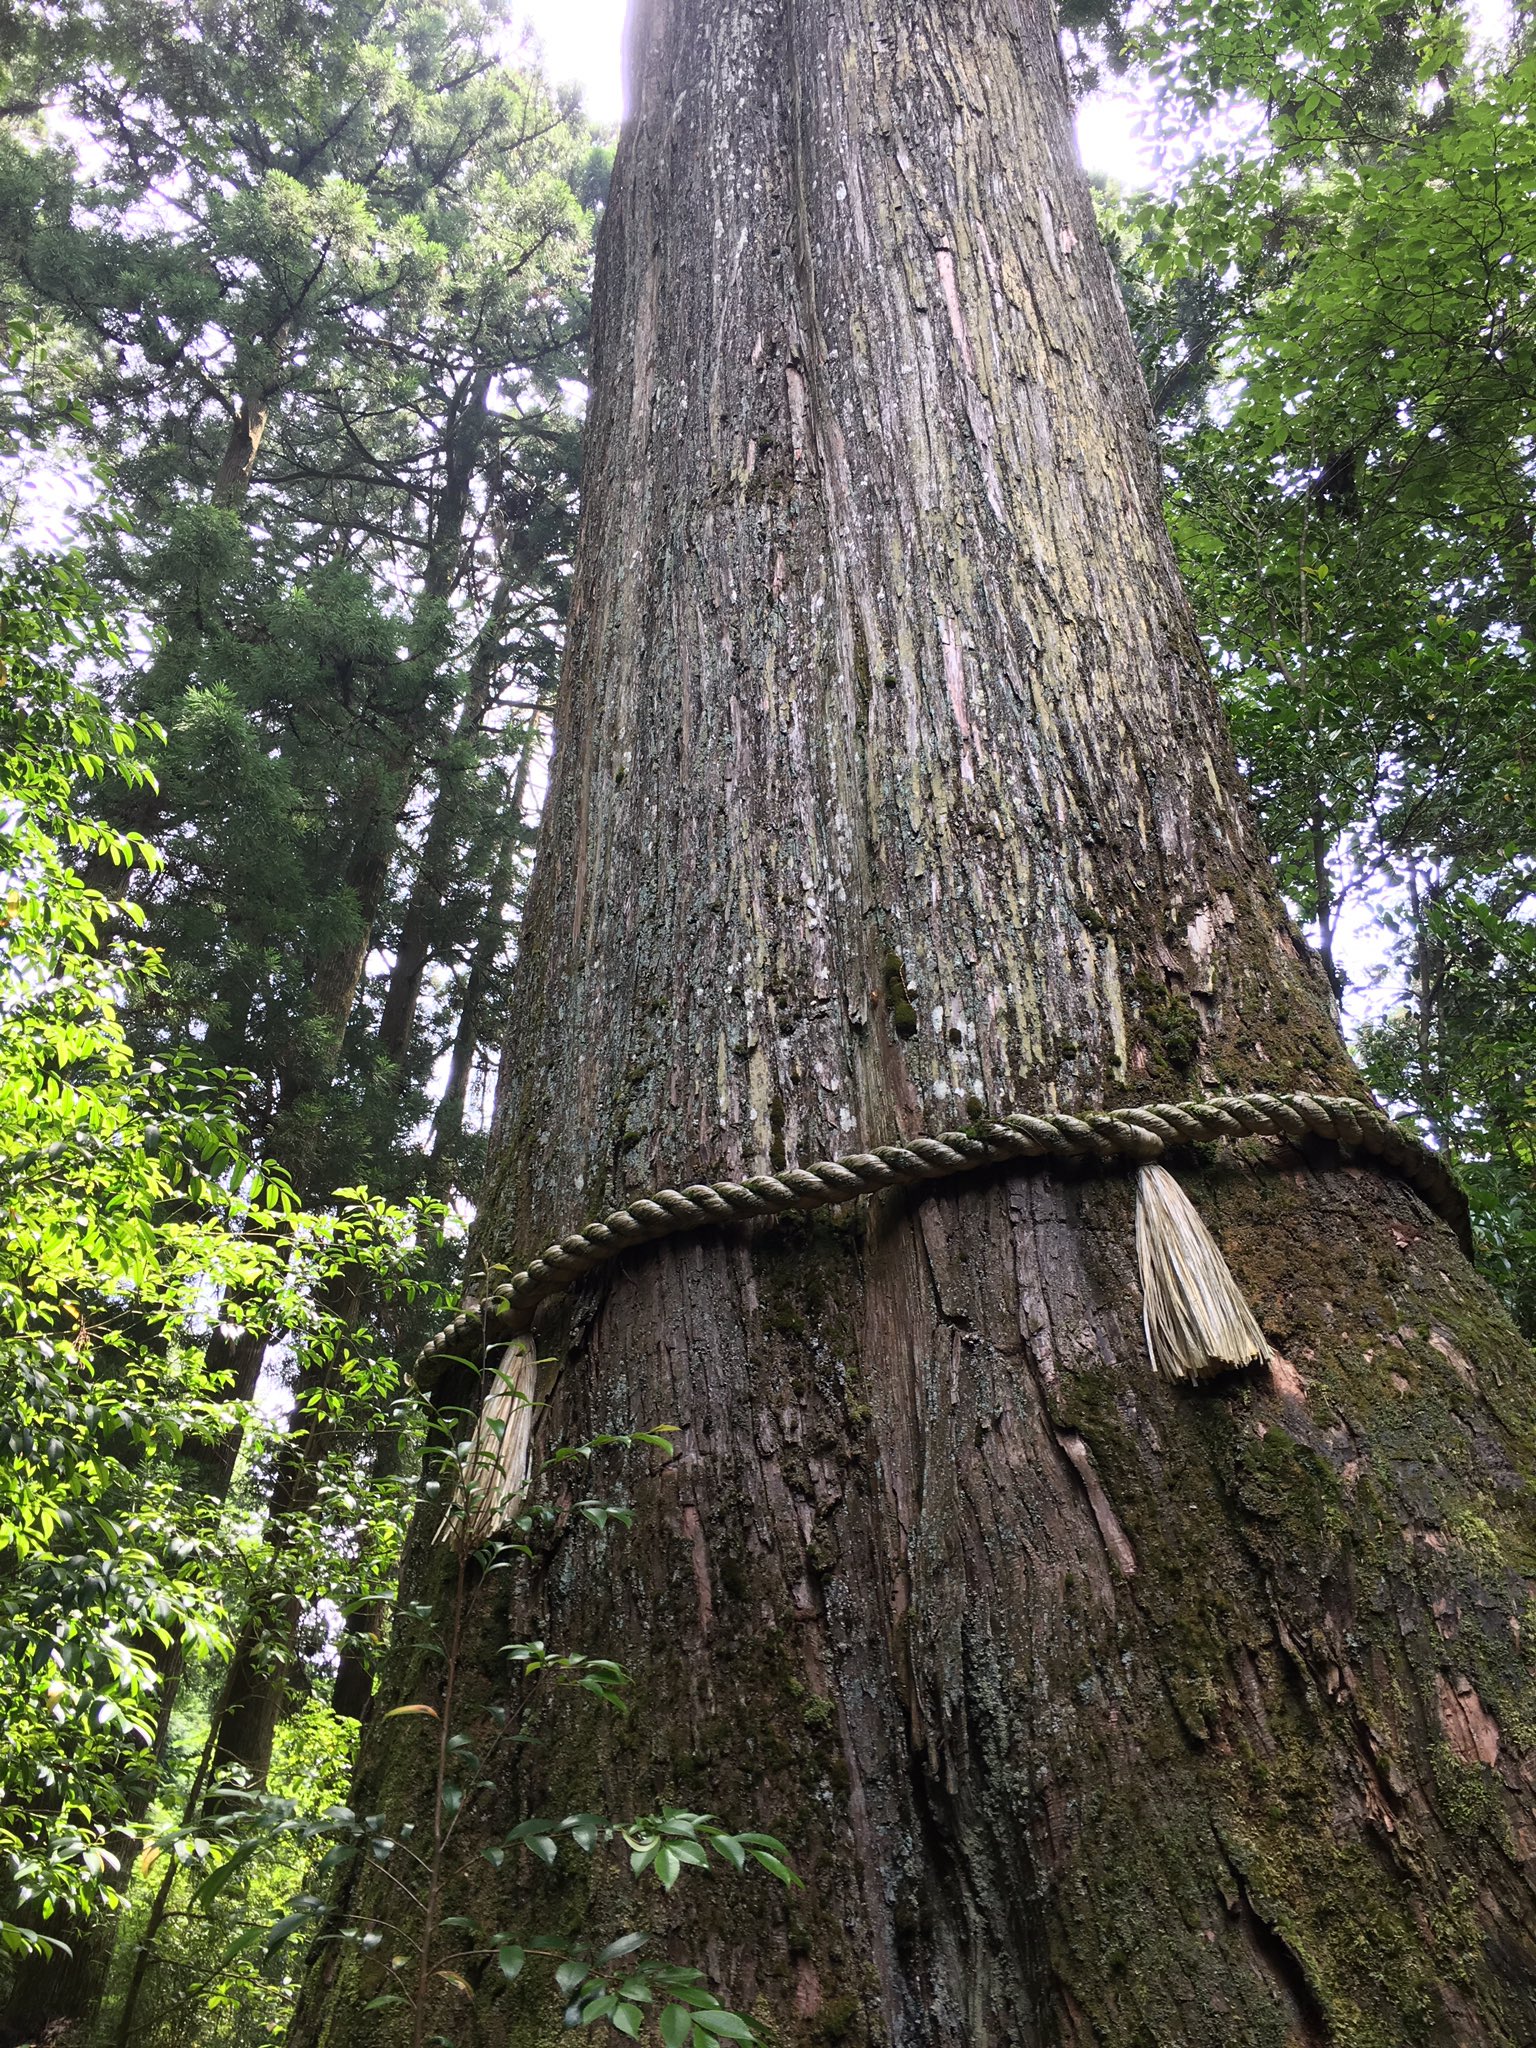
point(316, 278)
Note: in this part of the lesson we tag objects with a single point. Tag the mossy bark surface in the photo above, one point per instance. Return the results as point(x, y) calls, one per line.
point(889, 787)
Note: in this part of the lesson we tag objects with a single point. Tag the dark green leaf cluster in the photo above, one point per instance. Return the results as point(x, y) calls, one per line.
point(132, 1214)
point(313, 282)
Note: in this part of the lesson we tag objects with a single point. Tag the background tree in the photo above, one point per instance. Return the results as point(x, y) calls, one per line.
point(1333, 290)
point(312, 286)
point(131, 1207)
point(317, 282)
point(324, 290)
point(890, 790)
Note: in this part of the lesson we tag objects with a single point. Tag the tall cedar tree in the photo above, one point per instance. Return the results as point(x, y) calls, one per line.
point(319, 276)
point(1097, 1710)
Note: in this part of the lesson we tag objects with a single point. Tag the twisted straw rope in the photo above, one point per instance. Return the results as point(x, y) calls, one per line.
point(1133, 1133)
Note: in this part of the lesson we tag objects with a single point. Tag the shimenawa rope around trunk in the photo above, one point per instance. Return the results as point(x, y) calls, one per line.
point(1196, 1321)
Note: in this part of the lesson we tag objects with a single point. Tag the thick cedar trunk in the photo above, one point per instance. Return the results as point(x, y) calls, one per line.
point(889, 783)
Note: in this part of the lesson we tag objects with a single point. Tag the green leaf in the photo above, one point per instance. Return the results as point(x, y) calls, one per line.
point(626, 1945)
point(220, 1879)
point(249, 1938)
point(282, 1930)
point(729, 2026)
point(586, 1830)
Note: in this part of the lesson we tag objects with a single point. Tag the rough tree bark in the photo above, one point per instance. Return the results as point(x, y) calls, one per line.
point(889, 783)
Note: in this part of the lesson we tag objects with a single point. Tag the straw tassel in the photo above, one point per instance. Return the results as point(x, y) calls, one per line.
point(495, 1474)
point(1197, 1323)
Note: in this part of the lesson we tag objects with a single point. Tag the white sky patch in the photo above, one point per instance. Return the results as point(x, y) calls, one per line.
point(1492, 21)
point(1110, 138)
point(581, 40)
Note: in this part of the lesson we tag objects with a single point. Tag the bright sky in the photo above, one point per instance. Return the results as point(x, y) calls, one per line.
point(580, 41)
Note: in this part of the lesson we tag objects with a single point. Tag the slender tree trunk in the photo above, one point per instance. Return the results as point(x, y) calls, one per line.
point(889, 785)
point(367, 1629)
point(474, 1025)
point(262, 1658)
point(1426, 1006)
point(1327, 909)
point(436, 871)
point(251, 1699)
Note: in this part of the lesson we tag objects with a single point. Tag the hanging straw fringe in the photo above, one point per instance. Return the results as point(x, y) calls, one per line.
point(495, 1475)
point(1196, 1320)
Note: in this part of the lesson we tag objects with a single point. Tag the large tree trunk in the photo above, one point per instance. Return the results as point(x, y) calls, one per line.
point(889, 783)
